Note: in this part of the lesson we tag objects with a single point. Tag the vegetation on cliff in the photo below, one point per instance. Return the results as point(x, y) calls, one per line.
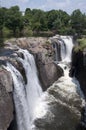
point(81, 45)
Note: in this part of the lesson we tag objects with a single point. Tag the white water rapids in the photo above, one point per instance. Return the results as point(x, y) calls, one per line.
point(27, 99)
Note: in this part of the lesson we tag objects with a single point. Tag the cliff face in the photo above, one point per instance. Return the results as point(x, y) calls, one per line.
point(79, 67)
point(6, 103)
point(47, 71)
point(43, 52)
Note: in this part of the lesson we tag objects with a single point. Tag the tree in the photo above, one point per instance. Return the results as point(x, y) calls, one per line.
point(39, 21)
point(78, 21)
point(2, 21)
point(51, 17)
point(61, 22)
point(14, 19)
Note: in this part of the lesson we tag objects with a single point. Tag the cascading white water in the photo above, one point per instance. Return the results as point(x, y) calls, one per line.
point(25, 96)
point(63, 50)
point(67, 40)
point(19, 95)
point(65, 45)
point(33, 88)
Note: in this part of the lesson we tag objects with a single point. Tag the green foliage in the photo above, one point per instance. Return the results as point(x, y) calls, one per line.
point(13, 19)
point(7, 33)
point(78, 21)
point(47, 42)
point(81, 44)
point(40, 23)
point(27, 32)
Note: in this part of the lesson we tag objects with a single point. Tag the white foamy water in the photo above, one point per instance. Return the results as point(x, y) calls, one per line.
point(63, 47)
point(33, 88)
point(69, 45)
point(20, 99)
point(25, 95)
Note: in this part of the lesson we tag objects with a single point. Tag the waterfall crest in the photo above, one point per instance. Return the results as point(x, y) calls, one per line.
point(25, 95)
point(68, 41)
point(63, 48)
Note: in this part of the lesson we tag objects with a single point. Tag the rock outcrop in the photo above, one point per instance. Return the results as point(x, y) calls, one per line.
point(79, 67)
point(6, 103)
point(49, 72)
point(60, 107)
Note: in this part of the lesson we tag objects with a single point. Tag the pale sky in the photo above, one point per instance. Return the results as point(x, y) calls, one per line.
point(66, 5)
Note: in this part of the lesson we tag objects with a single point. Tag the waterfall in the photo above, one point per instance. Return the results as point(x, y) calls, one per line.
point(28, 104)
point(67, 83)
point(63, 48)
point(25, 95)
point(67, 40)
point(66, 46)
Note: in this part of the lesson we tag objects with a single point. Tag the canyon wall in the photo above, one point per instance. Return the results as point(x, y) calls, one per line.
point(79, 67)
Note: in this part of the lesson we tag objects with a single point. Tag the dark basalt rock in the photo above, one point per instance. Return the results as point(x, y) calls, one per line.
point(79, 68)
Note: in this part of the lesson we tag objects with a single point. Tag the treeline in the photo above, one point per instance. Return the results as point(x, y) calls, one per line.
point(13, 23)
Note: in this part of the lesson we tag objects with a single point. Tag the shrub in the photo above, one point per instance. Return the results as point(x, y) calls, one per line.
point(81, 44)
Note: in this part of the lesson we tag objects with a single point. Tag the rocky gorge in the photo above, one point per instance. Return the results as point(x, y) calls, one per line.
point(64, 106)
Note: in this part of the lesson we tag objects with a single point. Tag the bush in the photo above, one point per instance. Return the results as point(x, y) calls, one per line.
point(7, 33)
point(81, 44)
point(27, 32)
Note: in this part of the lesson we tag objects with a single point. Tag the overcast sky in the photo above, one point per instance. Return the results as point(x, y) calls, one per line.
point(66, 5)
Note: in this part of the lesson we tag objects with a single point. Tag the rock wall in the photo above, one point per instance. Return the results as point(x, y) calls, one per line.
point(6, 103)
point(79, 67)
